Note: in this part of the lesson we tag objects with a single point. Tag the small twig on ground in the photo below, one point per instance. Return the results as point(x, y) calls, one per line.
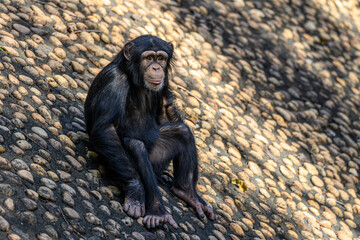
point(66, 221)
point(188, 92)
point(89, 30)
point(55, 6)
point(341, 204)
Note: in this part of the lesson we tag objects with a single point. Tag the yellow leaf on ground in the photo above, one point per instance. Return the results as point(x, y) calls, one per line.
point(240, 184)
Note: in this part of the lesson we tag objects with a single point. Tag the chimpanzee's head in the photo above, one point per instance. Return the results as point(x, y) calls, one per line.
point(148, 61)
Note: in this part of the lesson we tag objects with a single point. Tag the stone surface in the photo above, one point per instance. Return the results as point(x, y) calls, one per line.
point(270, 90)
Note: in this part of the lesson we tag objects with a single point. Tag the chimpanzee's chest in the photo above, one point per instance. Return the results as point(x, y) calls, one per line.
point(141, 126)
point(140, 118)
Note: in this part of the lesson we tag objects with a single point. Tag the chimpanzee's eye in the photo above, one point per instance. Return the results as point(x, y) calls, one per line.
point(149, 58)
point(160, 58)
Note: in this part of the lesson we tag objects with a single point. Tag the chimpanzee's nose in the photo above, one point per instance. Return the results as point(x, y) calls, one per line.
point(155, 67)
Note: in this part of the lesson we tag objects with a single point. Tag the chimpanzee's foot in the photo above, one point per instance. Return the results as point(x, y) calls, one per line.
point(196, 202)
point(134, 204)
point(158, 215)
point(152, 221)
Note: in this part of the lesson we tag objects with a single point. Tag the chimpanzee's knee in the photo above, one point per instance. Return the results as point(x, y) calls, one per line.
point(136, 147)
point(185, 132)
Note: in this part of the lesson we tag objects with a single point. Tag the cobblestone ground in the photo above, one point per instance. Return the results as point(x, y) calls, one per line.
point(270, 89)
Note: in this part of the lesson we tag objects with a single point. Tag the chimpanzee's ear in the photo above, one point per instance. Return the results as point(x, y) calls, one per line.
point(128, 49)
point(171, 46)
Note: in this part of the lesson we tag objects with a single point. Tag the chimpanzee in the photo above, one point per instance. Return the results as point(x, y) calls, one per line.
point(135, 127)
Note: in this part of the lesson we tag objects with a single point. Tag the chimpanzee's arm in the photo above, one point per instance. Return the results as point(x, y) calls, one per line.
point(105, 141)
point(103, 108)
point(170, 112)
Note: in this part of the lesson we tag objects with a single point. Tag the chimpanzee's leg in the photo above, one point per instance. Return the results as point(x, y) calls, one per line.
point(154, 208)
point(176, 142)
point(105, 142)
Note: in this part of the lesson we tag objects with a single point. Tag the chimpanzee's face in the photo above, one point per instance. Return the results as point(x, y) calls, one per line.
point(149, 58)
point(153, 67)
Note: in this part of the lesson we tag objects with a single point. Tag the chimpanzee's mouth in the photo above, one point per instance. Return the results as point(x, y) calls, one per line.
point(154, 81)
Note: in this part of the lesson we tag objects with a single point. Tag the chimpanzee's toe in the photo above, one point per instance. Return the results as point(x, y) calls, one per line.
point(134, 208)
point(195, 202)
point(152, 221)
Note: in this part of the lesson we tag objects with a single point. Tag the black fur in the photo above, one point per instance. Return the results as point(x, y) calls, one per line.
point(138, 131)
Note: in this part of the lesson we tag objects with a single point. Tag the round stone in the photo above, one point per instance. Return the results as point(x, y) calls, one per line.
point(317, 181)
point(286, 172)
point(21, 28)
point(71, 213)
point(26, 175)
point(255, 168)
point(4, 224)
point(39, 131)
